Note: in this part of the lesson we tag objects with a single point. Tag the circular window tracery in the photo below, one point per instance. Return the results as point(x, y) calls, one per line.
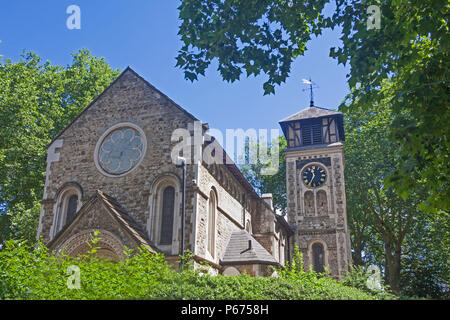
point(120, 150)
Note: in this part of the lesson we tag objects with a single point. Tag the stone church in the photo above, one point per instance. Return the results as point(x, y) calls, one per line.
point(111, 170)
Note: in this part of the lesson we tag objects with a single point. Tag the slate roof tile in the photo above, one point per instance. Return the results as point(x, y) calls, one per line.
point(238, 252)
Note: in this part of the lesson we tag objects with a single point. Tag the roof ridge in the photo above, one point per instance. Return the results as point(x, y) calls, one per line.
point(117, 207)
point(118, 213)
point(307, 113)
point(238, 250)
point(87, 107)
point(127, 69)
point(160, 92)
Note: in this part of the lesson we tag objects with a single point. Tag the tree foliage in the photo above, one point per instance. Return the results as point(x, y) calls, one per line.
point(411, 50)
point(251, 35)
point(37, 100)
point(273, 183)
point(387, 230)
point(29, 272)
point(426, 268)
point(374, 209)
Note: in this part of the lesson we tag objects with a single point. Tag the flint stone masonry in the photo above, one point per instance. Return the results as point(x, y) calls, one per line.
point(131, 99)
point(329, 229)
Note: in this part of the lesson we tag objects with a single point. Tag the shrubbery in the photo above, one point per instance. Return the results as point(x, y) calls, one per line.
point(33, 273)
point(358, 277)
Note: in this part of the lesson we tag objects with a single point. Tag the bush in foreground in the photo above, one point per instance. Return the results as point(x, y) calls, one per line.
point(34, 273)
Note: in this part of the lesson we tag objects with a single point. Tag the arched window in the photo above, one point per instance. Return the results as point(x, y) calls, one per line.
point(212, 205)
point(67, 204)
point(72, 205)
point(318, 257)
point(168, 206)
point(322, 203)
point(164, 205)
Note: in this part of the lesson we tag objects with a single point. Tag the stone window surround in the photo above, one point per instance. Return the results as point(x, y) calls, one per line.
point(211, 251)
point(325, 251)
point(248, 226)
point(321, 192)
point(155, 212)
point(60, 207)
point(281, 248)
point(103, 137)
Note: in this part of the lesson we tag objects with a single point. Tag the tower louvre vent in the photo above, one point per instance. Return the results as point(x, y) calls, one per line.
point(312, 134)
point(306, 135)
point(317, 133)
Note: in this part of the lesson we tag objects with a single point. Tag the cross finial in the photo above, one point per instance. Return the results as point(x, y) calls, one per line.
point(312, 85)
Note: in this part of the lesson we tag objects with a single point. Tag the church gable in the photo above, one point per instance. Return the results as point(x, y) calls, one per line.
point(134, 107)
point(121, 144)
point(128, 95)
point(103, 213)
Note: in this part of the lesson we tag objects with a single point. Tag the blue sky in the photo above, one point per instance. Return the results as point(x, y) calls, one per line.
point(142, 34)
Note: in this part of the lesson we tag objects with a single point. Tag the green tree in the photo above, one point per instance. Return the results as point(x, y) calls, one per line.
point(276, 183)
point(410, 246)
point(246, 35)
point(426, 268)
point(37, 100)
point(380, 220)
point(411, 49)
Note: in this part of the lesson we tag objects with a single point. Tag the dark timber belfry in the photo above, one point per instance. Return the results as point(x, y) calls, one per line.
point(313, 126)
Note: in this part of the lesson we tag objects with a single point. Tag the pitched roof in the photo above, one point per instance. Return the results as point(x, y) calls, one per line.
point(125, 219)
point(238, 251)
point(118, 214)
point(128, 69)
point(229, 164)
point(311, 112)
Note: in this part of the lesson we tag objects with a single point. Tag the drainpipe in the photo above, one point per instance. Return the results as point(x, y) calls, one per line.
point(182, 163)
point(244, 205)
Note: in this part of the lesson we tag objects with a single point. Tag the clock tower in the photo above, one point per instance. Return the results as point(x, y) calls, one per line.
point(315, 188)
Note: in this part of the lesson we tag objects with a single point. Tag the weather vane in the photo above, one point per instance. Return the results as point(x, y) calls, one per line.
point(312, 85)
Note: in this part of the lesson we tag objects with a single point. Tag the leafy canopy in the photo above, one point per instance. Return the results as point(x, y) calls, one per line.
point(410, 51)
point(247, 35)
point(37, 100)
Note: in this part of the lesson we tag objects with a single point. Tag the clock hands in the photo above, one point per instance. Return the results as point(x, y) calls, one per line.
point(312, 179)
point(314, 176)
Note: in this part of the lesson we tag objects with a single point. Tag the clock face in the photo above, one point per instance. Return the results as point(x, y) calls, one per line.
point(314, 176)
point(120, 151)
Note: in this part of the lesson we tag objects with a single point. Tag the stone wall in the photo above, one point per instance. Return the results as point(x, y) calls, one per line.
point(128, 99)
point(255, 269)
point(230, 211)
point(326, 225)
